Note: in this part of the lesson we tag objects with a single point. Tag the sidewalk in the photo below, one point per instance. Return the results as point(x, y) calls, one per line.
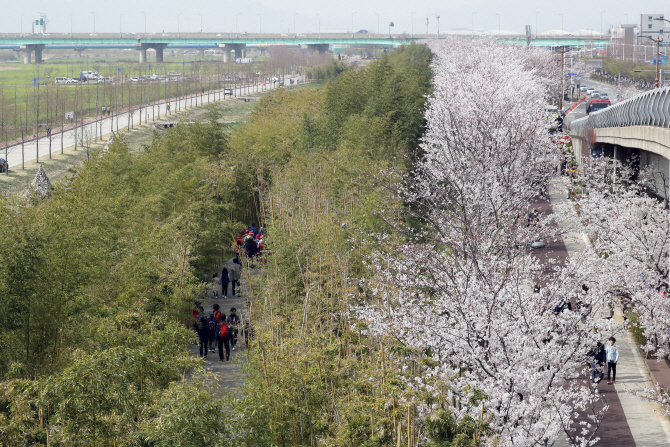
point(630, 421)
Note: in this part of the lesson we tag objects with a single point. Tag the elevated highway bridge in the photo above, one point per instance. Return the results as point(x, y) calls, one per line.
point(635, 130)
point(237, 43)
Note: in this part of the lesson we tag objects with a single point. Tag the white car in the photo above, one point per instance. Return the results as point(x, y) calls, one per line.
point(590, 90)
point(72, 81)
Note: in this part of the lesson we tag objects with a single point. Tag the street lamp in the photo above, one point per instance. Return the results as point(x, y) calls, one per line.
point(178, 31)
point(390, 25)
point(71, 15)
point(93, 22)
point(601, 23)
point(473, 23)
point(498, 24)
point(561, 24)
point(281, 26)
point(377, 22)
point(22, 25)
point(200, 23)
point(260, 29)
point(438, 26)
point(236, 16)
point(120, 21)
point(294, 28)
point(412, 16)
point(318, 17)
point(536, 29)
point(145, 22)
point(352, 24)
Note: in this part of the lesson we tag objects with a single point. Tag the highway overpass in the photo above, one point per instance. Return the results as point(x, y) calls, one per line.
point(237, 43)
point(635, 130)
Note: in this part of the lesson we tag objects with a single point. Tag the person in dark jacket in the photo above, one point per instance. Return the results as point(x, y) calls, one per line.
point(225, 279)
point(597, 362)
point(233, 321)
point(212, 322)
point(222, 340)
point(200, 327)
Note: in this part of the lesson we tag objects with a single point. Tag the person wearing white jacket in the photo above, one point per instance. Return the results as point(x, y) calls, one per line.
point(612, 356)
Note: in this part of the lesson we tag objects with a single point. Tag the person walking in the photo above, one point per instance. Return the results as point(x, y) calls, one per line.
point(233, 321)
point(235, 273)
point(612, 354)
point(212, 322)
point(597, 362)
point(217, 313)
point(225, 279)
point(201, 328)
point(216, 285)
point(222, 338)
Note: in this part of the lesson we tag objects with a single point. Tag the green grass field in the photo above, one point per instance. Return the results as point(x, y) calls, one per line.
point(22, 100)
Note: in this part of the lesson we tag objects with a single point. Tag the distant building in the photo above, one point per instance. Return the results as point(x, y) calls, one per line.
point(623, 39)
point(650, 26)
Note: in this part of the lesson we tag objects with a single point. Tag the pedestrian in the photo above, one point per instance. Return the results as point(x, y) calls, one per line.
point(225, 279)
point(235, 273)
point(168, 106)
point(200, 326)
point(250, 244)
point(597, 362)
point(222, 338)
point(212, 322)
point(612, 354)
point(233, 321)
point(216, 285)
point(217, 313)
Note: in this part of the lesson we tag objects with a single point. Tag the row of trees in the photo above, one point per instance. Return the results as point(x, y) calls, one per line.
point(462, 287)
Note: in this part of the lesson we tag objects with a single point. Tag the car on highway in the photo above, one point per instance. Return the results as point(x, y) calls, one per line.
point(3, 165)
point(583, 89)
point(604, 96)
point(597, 104)
point(589, 90)
point(72, 81)
point(595, 94)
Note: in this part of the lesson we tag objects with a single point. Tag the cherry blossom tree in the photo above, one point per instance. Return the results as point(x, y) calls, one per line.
point(627, 217)
point(465, 287)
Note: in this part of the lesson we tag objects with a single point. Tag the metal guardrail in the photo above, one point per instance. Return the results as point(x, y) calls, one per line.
point(650, 108)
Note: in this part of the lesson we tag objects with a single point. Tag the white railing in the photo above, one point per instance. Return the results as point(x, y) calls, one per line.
point(650, 108)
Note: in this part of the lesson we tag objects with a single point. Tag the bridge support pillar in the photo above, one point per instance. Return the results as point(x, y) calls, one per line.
point(38, 54)
point(28, 50)
point(320, 47)
point(201, 53)
point(159, 53)
point(143, 55)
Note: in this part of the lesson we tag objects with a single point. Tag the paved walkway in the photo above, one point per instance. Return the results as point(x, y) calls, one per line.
point(630, 421)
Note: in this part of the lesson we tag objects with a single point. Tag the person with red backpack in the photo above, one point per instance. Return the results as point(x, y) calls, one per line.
point(222, 338)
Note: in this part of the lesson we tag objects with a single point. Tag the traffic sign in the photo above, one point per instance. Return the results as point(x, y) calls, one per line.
point(572, 74)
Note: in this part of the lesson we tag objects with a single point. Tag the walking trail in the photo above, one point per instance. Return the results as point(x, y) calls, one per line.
point(630, 421)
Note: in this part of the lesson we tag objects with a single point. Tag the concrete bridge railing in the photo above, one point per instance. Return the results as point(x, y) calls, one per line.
point(650, 108)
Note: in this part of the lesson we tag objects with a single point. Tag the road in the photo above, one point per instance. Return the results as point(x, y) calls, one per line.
point(35, 150)
point(580, 112)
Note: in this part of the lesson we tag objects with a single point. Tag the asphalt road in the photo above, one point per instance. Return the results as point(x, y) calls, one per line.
point(580, 112)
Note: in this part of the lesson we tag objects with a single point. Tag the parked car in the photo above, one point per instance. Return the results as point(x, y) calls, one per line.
point(3, 165)
point(72, 81)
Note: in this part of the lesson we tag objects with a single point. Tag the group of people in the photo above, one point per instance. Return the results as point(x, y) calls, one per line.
point(229, 276)
point(601, 357)
point(216, 331)
point(251, 242)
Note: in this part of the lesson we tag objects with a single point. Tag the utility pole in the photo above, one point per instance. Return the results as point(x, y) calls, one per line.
point(560, 101)
point(438, 26)
point(658, 46)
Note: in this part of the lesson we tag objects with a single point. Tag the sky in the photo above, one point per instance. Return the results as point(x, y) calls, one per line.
point(308, 15)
